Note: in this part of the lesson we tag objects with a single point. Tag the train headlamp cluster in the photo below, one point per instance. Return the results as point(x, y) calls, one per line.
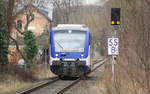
point(56, 55)
point(82, 55)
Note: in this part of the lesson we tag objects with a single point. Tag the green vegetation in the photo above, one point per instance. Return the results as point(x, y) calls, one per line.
point(31, 48)
point(3, 36)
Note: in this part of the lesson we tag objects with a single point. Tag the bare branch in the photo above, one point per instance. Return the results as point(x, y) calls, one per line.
point(17, 47)
point(18, 30)
point(29, 17)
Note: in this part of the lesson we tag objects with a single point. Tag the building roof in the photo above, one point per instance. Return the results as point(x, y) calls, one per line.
point(41, 11)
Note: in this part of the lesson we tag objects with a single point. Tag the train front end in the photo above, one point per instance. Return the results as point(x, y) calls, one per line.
point(70, 51)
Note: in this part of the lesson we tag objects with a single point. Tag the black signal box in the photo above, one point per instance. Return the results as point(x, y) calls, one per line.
point(115, 16)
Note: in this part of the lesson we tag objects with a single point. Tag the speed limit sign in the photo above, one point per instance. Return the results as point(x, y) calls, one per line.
point(113, 46)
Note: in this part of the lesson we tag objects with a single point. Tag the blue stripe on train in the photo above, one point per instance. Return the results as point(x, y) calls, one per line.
point(86, 68)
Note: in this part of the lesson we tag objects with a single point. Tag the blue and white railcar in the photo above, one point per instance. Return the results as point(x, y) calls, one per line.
point(70, 50)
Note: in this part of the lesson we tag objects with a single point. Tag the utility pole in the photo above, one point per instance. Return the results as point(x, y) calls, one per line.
point(116, 27)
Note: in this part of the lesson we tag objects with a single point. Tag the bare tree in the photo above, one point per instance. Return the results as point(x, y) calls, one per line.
point(64, 8)
point(144, 47)
point(29, 18)
point(10, 7)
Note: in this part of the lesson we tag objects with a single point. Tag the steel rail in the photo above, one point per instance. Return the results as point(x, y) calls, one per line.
point(104, 61)
point(78, 80)
point(96, 62)
point(38, 87)
point(68, 87)
point(33, 89)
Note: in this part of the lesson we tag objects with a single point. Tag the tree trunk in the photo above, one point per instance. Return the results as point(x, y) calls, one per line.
point(10, 8)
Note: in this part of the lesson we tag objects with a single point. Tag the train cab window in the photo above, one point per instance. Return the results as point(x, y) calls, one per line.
point(69, 41)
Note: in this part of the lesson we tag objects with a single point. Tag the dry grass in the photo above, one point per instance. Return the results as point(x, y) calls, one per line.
point(123, 84)
point(104, 85)
point(13, 82)
point(130, 74)
point(40, 72)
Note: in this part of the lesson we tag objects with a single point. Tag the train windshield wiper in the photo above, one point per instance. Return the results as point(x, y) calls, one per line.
point(60, 45)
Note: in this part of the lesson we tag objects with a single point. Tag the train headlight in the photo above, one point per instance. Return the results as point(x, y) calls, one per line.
point(56, 55)
point(82, 55)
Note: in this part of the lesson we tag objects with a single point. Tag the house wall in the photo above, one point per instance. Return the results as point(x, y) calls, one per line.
point(37, 25)
point(14, 56)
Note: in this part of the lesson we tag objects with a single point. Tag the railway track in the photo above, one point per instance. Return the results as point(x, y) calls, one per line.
point(30, 90)
point(78, 80)
point(68, 87)
point(98, 60)
point(58, 86)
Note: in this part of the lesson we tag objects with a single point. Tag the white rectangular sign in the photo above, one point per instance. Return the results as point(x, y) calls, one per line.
point(113, 46)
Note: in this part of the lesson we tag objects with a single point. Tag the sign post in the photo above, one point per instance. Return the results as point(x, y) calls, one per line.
point(45, 62)
point(113, 42)
point(113, 50)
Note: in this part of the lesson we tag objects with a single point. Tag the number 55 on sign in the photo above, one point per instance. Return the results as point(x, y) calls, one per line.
point(113, 46)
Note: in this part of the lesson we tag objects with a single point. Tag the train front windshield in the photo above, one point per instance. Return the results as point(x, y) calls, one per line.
point(69, 40)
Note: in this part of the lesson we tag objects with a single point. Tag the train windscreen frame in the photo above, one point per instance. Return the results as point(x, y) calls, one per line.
point(69, 40)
